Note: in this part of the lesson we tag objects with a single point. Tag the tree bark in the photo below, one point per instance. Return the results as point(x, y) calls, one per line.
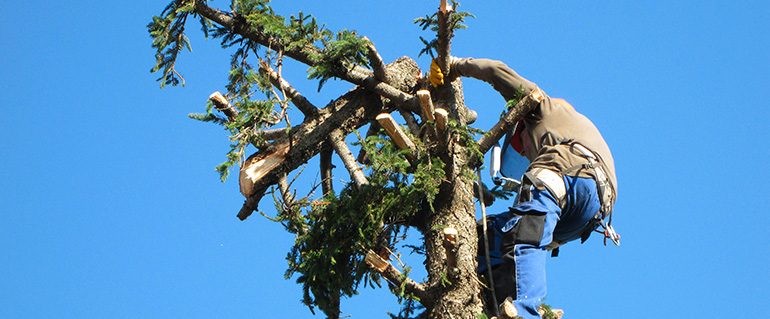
point(351, 111)
point(456, 289)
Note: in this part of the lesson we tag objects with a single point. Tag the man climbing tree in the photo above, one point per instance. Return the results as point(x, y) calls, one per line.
point(568, 189)
point(419, 174)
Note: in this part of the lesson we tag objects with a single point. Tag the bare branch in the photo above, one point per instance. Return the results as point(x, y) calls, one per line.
point(411, 122)
point(444, 36)
point(375, 61)
point(297, 99)
point(341, 147)
point(326, 170)
point(283, 187)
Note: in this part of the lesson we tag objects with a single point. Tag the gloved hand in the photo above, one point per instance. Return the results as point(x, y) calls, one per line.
point(489, 197)
point(435, 75)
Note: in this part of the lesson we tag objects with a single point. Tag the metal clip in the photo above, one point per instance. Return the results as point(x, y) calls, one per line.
point(508, 184)
point(609, 232)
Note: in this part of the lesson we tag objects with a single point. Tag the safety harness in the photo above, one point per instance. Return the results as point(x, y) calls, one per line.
point(553, 181)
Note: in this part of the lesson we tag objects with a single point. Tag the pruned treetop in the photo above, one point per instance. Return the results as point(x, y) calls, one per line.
point(400, 182)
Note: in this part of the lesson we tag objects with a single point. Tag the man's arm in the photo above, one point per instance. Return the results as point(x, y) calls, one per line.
point(502, 78)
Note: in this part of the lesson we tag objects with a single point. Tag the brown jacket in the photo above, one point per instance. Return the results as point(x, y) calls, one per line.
point(551, 122)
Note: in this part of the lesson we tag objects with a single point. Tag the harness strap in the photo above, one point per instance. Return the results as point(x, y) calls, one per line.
point(604, 189)
point(550, 180)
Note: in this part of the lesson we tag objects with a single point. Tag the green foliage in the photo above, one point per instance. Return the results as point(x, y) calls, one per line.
point(517, 96)
point(343, 54)
point(466, 137)
point(168, 38)
point(329, 256)
point(410, 305)
point(334, 233)
point(301, 32)
point(456, 22)
point(548, 312)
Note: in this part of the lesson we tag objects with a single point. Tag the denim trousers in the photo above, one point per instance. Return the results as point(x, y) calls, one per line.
point(518, 240)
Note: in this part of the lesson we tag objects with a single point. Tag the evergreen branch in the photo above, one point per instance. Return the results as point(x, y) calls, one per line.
point(444, 23)
point(340, 56)
point(167, 32)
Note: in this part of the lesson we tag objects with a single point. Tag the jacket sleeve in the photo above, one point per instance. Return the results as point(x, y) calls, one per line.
point(502, 78)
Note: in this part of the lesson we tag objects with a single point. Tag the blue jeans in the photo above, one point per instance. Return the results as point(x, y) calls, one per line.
point(518, 239)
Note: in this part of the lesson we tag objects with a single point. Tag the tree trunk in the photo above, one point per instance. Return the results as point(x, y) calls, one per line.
point(456, 289)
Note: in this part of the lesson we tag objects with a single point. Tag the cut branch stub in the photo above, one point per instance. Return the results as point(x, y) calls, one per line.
point(375, 261)
point(256, 167)
point(221, 104)
point(450, 245)
point(442, 117)
point(397, 135)
point(445, 7)
point(427, 105)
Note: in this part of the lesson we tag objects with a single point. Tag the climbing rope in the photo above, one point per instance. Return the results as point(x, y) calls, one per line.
point(486, 244)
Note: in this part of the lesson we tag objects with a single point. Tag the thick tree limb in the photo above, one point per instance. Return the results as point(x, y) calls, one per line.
point(357, 75)
point(527, 104)
point(275, 134)
point(307, 140)
point(351, 111)
point(365, 78)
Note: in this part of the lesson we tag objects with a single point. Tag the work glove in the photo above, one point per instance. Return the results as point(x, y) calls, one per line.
point(435, 75)
point(489, 197)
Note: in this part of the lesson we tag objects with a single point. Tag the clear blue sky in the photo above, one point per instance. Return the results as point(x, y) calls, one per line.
point(110, 206)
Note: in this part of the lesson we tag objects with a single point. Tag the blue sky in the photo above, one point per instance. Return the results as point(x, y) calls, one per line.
point(111, 207)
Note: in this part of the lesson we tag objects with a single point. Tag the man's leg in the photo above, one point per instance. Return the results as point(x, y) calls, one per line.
point(525, 235)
